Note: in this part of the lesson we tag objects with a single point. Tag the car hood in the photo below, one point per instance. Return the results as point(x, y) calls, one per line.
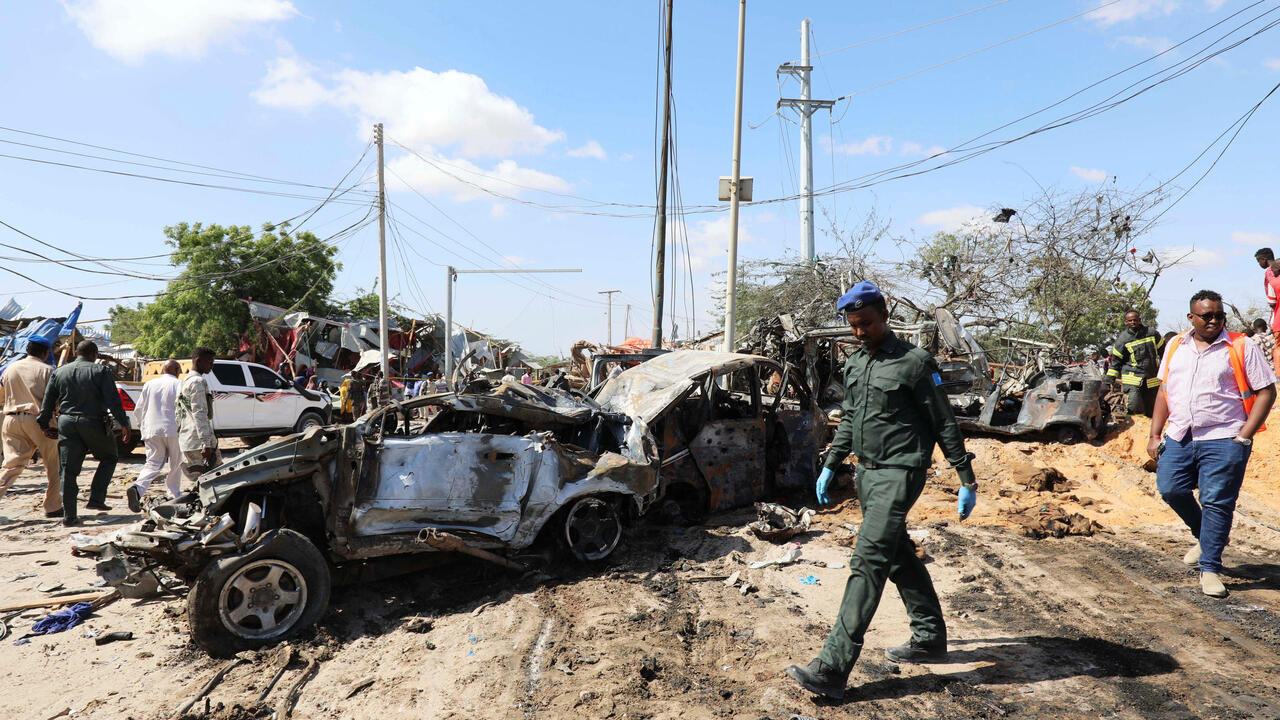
point(646, 391)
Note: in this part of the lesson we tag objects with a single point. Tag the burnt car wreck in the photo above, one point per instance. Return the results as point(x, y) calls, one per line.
point(498, 473)
point(1034, 394)
point(486, 473)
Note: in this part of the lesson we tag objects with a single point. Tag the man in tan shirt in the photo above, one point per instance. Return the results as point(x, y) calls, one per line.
point(22, 389)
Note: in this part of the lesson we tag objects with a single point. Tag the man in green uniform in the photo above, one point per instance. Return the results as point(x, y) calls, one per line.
point(85, 396)
point(1135, 357)
point(894, 413)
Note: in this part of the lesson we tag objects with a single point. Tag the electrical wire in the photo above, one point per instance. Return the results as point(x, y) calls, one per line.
point(246, 176)
point(978, 51)
point(911, 29)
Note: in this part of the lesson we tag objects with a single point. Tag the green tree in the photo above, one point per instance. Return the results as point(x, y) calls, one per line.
point(220, 267)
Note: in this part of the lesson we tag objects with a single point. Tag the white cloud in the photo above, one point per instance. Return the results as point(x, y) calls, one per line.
point(1256, 239)
point(1154, 44)
point(709, 242)
point(424, 109)
point(626, 157)
point(1272, 64)
point(1214, 4)
point(463, 180)
point(872, 145)
point(129, 30)
point(513, 259)
point(1131, 9)
point(1189, 257)
point(1092, 175)
point(952, 219)
point(591, 150)
point(915, 148)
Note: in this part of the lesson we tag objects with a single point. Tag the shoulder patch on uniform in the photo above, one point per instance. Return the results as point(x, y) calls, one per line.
point(937, 379)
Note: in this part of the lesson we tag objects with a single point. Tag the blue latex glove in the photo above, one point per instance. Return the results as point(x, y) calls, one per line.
point(968, 498)
point(824, 479)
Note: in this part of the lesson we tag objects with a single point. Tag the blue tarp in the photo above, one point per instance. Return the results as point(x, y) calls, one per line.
point(14, 346)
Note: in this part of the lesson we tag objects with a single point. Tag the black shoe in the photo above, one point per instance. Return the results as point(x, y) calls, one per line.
point(820, 679)
point(135, 498)
point(97, 506)
point(915, 652)
point(54, 513)
point(71, 521)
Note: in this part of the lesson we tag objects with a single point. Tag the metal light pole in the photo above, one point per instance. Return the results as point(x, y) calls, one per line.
point(451, 275)
point(732, 287)
point(609, 294)
point(384, 338)
point(806, 106)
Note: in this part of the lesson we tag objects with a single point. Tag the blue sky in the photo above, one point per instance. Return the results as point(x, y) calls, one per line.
point(529, 97)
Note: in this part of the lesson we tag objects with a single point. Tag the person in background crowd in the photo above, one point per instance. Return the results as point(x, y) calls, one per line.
point(85, 396)
point(22, 389)
point(194, 415)
point(157, 413)
point(526, 379)
point(1273, 292)
point(1217, 391)
point(1264, 338)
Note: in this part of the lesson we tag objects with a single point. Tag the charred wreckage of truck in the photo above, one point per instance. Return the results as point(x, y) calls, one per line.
point(1037, 393)
point(500, 473)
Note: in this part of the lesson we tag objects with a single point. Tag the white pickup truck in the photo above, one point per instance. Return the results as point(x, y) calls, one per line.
point(249, 401)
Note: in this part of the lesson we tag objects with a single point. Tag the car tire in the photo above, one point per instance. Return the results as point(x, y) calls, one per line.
point(307, 420)
point(284, 573)
point(1068, 434)
point(591, 528)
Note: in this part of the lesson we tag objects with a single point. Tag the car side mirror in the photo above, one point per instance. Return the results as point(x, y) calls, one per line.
point(282, 384)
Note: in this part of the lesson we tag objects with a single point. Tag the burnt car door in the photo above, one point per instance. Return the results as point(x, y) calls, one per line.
point(729, 449)
point(451, 480)
point(797, 431)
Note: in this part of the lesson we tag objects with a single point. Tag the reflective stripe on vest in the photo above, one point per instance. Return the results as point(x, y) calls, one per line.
point(1235, 353)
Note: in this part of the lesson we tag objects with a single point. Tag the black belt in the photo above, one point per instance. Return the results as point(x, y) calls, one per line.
point(871, 465)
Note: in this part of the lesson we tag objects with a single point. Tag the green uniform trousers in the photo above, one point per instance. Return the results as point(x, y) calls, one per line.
point(884, 552)
point(78, 436)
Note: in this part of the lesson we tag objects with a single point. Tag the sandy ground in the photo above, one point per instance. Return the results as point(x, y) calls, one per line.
point(1107, 625)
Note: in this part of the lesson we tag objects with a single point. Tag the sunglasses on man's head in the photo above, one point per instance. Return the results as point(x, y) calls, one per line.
point(1211, 316)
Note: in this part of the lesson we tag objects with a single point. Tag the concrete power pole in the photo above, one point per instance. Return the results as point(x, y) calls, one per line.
point(384, 338)
point(806, 108)
point(660, 243)
point(609, 294)
point(731, 283)
point(626, 323)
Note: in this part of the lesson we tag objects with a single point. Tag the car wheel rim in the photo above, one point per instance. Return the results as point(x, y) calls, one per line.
point(592, 529)
point(263, 599)
point(310, 422)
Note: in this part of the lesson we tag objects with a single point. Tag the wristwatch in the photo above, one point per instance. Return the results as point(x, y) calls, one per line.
point(1243, 441)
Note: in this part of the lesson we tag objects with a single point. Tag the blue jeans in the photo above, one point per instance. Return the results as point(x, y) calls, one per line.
point(1216, 467)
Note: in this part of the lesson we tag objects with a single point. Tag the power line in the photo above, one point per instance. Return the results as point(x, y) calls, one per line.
point(247, 176)
point(912, 29)
point(175, 181)
point(978, 51)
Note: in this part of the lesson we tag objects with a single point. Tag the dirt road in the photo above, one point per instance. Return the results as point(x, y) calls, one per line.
point(1105, 625)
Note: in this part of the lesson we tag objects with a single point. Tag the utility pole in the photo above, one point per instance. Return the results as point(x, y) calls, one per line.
point(450, 277)
point(609, 294)
point(384, 338)
point(806, 107)
point(626, 323)
point(661, 240)
point(731, 288)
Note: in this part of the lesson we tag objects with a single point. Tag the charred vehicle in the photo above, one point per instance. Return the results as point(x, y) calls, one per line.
point(1039, 395)
point(731, 428)
point(487, 473)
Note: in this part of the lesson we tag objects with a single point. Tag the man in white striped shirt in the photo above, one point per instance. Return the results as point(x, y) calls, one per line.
point(156, 411)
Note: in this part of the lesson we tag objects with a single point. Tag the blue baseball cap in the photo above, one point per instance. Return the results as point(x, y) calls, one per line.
point(859, 296)
point(37, 340)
